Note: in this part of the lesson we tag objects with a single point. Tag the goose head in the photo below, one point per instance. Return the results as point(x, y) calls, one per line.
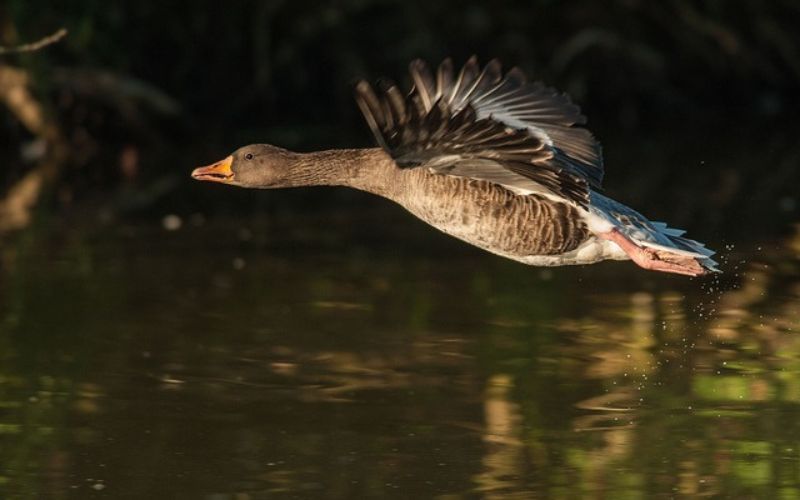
point(255, 166)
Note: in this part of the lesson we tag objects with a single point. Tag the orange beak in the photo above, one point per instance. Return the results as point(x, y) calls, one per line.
point(218, 172)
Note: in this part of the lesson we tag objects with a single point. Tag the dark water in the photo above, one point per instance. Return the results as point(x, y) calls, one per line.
point(294, 359)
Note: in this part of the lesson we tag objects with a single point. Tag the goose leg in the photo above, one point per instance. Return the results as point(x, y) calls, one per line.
point(652, 259)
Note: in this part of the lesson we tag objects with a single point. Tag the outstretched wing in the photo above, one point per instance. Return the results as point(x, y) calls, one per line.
point(511, 100)
point(485, 126)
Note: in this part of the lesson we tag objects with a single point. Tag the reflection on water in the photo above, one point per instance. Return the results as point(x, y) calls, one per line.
point(205, 364)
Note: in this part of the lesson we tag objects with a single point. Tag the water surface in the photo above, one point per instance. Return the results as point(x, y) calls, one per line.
point(302, 359)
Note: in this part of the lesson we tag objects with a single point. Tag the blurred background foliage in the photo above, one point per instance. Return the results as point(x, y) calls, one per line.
point(143, 91)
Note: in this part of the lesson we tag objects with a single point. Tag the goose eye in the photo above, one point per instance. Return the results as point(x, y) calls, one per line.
point(248, 156)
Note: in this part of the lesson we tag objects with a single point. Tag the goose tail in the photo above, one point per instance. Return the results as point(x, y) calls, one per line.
point(652, 245)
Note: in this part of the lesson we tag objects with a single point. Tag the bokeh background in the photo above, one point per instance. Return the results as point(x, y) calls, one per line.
point(164, 338)
point(690, 98)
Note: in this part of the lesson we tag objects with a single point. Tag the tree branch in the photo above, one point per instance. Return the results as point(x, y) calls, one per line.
point(17, 203)
point(37, 45)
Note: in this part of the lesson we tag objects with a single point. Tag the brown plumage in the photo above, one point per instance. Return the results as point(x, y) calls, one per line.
point(490, 216)
point(485, 157)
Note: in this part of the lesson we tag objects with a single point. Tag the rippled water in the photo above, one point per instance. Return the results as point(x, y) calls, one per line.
point(220, 361)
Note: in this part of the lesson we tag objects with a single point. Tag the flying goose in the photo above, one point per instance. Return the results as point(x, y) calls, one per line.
point(488, 158)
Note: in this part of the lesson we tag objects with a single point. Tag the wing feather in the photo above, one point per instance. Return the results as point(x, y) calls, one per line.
point(485, 125)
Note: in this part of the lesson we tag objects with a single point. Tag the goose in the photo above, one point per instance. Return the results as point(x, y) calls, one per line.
point(487, 157)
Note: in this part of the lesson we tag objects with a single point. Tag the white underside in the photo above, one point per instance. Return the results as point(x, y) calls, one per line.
point(591, 251)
